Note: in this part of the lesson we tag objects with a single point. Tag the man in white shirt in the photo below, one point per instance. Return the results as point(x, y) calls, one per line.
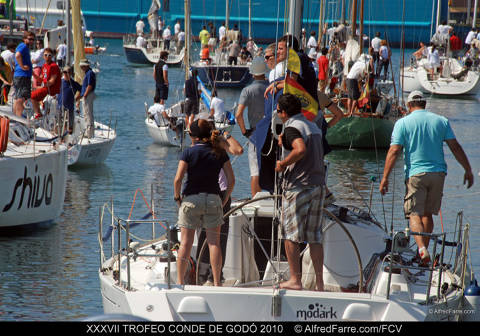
point(468, 40)
point(356, 73)
point(176, 28)
point(139, 26)
point(217, 108)
point(156, 112)
point(312, 42)
point(180, 40)
point(167, 36)
point(444, 28)
point(141, 42)
point(61, 54)
point(376, 48)
point(37, 63)
point(222, 31)
point(9, 54)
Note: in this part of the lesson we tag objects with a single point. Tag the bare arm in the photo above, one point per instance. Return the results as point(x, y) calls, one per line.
point(228, 170)
point(461, 157)
point(231, 145)
point(19, 59)
point(177, 182)
point(165, 77)
point(392, 156)
point(239, 118)
point(297, 153)
point(337, 114)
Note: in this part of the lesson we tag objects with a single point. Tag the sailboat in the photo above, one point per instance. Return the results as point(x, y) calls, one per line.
point(85, 151)
point(150, 53)
point(164, 133)
point(33, 172)
point(418, 77)
point(372, 126)
point(217, 72)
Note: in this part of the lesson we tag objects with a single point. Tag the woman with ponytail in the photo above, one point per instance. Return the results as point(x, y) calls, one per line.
point(201, 205)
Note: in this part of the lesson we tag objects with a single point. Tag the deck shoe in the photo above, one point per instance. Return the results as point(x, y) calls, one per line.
point(424, 256)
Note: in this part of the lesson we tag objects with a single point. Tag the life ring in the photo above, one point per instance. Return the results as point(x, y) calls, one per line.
point(4, 129)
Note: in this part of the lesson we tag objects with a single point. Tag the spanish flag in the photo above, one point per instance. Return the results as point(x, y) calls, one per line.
point(309, 105)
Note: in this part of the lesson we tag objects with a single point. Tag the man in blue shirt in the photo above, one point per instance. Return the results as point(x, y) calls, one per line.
point(66, 98)
point(421, 135)
point(87, 95)
point(22, 77)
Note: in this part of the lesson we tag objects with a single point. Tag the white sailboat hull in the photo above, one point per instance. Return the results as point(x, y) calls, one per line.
point(162, 135)
point(139, 286)
point(32, 184)
point(95, 150)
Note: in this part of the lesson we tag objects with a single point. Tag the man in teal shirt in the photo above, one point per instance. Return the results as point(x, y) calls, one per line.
point(421, 135)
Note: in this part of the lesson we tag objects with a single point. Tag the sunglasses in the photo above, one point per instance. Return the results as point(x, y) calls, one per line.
point(30, 39)
point(267, 57)
point(47, 55)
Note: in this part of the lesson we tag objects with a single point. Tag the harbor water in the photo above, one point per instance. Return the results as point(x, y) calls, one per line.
point(50, 273)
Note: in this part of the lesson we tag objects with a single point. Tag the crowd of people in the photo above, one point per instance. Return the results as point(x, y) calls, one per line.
point(30, 72)
point(160, 32)
point(210, 179)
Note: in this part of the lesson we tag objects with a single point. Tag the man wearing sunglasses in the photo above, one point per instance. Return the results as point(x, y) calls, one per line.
point(22, 77)
point(51, 81)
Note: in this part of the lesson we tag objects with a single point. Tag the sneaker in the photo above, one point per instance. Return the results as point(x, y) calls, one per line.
point(329, 199)
point(424, 256)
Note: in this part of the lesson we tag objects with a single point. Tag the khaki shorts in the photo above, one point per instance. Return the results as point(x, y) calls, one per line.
point(423, 194)
point(200, 211)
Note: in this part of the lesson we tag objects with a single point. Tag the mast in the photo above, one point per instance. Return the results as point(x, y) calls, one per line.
point(439, 10)
point(295, 18)
point(475, 7)
point(78, 43)
point(69, 32)
point(227, 13)
point(249, 19)
point(360, 38)
point(186, 59)
point(354, 17)
point(320, 21)
point(342, 15)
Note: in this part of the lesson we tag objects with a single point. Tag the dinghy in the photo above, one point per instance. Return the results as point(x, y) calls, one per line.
point(163, 133)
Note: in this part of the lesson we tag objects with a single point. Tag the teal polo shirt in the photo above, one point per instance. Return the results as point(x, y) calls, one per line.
point(422, 133)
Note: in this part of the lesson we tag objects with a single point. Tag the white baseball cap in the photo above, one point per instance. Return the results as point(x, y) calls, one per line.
point(415, 96)
point(258, 66)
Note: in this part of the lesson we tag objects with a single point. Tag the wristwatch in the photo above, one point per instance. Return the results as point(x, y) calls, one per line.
point(227, 136)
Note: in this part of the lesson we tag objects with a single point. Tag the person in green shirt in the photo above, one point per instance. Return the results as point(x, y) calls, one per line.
point(204, 37)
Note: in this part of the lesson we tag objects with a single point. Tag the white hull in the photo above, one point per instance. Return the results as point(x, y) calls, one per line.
point(139, 285)
point(163, 135)
point(32, 183)
point(95, 150)
point(140, 55)
point(416, 78)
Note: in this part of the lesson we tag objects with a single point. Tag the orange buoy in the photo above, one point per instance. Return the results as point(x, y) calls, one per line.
point(4, 129)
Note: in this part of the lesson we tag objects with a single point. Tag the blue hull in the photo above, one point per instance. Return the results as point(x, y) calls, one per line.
point(113, 16)
point(224, 76)
point(135, 56)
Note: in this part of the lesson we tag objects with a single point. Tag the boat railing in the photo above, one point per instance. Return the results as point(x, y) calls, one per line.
point(400, 240)
point(123, 246)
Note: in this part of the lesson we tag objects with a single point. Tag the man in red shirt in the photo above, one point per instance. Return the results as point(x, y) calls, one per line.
point(51, 81)
point(323, 70)
point(455, 45)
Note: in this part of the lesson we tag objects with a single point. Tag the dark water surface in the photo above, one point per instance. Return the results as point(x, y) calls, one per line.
point(50, 274)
